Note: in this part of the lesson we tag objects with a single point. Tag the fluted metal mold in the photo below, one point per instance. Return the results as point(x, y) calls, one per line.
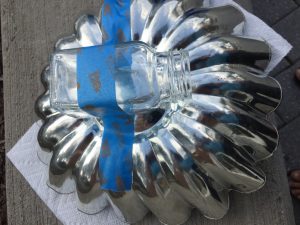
point(184, 158)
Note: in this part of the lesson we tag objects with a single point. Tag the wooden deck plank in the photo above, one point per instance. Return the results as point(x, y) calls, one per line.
point(29, 31)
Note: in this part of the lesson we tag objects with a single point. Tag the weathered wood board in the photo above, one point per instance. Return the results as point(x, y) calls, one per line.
point(29, 31)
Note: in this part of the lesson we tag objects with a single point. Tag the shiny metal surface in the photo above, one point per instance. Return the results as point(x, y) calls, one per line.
point(185, 157)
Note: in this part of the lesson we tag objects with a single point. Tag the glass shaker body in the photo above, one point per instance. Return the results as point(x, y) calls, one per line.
point(144, 79)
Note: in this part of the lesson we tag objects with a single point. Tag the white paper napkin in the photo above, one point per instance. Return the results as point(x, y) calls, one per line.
point(256, 28)
point(24, 153)
point(24, 157)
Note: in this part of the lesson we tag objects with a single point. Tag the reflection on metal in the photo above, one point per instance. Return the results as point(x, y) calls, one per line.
point(188, 157)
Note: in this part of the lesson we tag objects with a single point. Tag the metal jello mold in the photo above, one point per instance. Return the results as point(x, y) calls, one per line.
point(184, 158)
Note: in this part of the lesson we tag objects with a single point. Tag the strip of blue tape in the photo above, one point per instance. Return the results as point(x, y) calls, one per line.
point(97, 95)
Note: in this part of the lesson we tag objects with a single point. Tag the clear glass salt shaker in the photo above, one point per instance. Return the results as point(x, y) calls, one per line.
point(146, 81)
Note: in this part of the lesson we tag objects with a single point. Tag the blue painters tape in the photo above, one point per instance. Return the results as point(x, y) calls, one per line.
point(97, 95)
point(115, 21)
